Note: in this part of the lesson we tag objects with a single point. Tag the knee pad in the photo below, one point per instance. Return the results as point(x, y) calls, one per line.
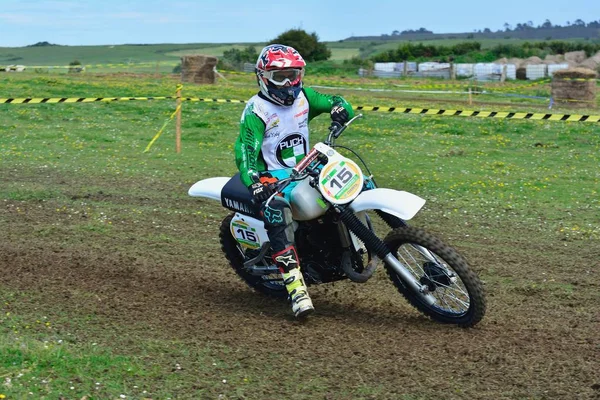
point(277, 216)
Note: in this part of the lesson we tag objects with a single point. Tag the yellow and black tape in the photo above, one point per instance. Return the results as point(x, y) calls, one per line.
point(441, 86)
point(129, 65)
point(54, 100)
point(576, 79)
point(487, 114)
point(404, 110)
point(212, 100)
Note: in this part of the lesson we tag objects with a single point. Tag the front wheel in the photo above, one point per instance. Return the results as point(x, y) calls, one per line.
point(458, 292)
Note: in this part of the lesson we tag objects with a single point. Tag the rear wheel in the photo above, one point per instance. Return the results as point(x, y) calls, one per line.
point(457, 290)
point(270, 285)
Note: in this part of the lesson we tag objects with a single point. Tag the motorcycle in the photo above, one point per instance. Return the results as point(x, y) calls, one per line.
point(332, 205)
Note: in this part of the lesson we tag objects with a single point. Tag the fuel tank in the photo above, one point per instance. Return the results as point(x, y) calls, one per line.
point(307, 202)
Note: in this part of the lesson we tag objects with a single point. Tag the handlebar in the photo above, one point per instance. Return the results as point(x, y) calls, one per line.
point(336, 129)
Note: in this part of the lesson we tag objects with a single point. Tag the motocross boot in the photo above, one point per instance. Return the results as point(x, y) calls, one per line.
point(287, 261)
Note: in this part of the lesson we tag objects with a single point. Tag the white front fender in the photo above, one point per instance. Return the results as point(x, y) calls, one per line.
point(210, 188)
point(403, 205)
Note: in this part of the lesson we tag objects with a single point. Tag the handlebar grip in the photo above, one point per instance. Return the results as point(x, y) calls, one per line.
point(335, 129)
point(255, 177)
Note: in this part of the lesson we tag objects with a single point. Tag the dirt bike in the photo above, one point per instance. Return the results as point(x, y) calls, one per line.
point(332, 205)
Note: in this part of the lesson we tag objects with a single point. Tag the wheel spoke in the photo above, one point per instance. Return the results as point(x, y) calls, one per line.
point(443, 273)
point(452, 298)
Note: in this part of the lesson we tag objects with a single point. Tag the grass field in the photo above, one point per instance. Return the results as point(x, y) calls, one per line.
point(113, 285)
point(171, 53)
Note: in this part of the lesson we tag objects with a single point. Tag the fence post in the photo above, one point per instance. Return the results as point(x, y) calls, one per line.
point(504, 72)
point(178, 121)
point(470, 97)
point(405, 68)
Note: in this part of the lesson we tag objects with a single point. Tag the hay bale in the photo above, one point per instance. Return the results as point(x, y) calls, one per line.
point(575, 56)
point(515, 60)
point(553, 59)
point(533, 60)
point(590, 63)
point(575, 86)
point(198, 69)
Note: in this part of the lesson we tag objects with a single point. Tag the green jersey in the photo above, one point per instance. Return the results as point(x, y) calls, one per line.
point(276, 137)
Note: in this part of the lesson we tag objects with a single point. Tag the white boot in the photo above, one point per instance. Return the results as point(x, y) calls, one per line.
point(301, 302)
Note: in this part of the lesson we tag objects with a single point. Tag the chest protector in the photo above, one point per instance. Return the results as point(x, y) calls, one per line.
point(285, 141)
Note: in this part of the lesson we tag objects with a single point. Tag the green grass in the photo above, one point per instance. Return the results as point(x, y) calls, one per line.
point(85, 166)
point(215, 51)
point(171, 53)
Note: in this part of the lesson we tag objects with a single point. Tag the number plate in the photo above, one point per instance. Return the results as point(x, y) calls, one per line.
point(341, 180)
point(245, 234)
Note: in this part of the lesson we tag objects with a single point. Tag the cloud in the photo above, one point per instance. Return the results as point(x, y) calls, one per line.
point(147, 17)
point(15, 18)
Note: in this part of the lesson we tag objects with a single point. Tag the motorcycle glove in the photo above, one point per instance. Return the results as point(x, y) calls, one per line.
point(260, 193)
point(339, 114)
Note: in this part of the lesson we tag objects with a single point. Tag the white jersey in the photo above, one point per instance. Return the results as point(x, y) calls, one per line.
point(285, 140)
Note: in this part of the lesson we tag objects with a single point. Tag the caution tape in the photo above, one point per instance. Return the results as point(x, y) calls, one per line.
point(487, 114)
point(566, 100)
point(177, 109)
point(212, 100)
point(405, 110)
point(49, 100)
point(576, 79)
point(475, 87)
point(441, 86)
point(129, 65)
point(162, 129)
point(54, 100)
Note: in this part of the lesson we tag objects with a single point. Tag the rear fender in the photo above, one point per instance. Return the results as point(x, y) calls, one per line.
point(210, 188)
point(403, 205)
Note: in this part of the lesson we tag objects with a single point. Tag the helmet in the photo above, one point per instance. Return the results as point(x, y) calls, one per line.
point(279, 71)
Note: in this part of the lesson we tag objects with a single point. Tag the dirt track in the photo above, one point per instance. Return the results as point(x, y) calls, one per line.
point(535, 342)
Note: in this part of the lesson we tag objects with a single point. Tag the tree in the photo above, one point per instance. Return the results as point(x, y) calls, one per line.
point(236, 56)
point(308, 45)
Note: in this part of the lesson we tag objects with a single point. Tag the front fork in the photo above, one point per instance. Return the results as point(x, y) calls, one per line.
point(378, 247)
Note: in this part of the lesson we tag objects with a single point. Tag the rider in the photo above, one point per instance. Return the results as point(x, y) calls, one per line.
point(274, 137)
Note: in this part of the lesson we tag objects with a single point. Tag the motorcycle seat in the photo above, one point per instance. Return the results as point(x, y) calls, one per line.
point(236, 197)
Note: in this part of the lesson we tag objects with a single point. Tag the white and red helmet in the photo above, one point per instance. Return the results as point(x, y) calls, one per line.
point(279, 70)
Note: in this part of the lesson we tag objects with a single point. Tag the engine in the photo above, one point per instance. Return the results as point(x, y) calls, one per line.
point(320, 250)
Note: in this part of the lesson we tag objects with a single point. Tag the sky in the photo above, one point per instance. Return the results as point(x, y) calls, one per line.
point(102, 22)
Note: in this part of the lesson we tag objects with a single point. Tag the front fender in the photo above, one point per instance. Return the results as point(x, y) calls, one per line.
point(210, 188)
point(403, 205)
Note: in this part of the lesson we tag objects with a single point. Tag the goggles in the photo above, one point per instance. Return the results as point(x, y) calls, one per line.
point(280, 77)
